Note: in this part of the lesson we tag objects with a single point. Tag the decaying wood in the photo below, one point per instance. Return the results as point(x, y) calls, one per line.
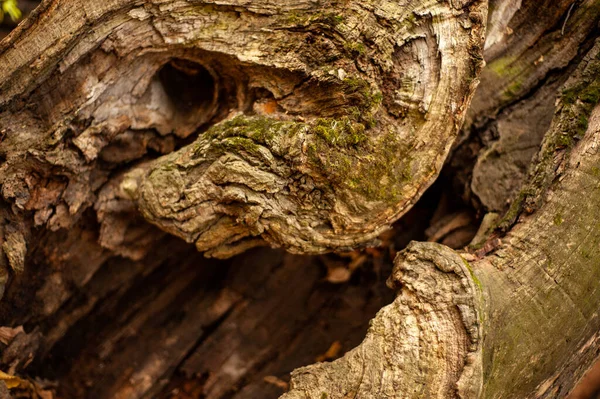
point(518, 298)
point(531, 49)
point(223, 326)
point(336, 116)
point(310, 126)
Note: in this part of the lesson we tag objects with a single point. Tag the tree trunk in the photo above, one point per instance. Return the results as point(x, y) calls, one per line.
point(139, 137)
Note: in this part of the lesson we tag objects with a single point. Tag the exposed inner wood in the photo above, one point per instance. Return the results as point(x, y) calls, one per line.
point(175, 324)
point(221, 327)
point(311, 127)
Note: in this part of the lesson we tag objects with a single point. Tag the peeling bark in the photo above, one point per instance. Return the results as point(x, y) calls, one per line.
point(310, 126)
point(536, 305)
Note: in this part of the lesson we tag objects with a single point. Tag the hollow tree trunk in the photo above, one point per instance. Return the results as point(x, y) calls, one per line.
point(311, 126)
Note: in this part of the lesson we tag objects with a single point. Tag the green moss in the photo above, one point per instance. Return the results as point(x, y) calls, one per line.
point(336, 148)
point(362, 87)
point(258, 129)
point(293, 18)
point(355, 84)
point(504, 66)
point(508, 69)
point(563, 140)
point(558, 219)
point(296, 18)
point(579, 100)
point(329, 19)
point(237, 144)
point(376, 98)
point(355, 49)
point(324, 395)
point(377, 170)
point(581, 125)
point(364, 101)
point(513, 212)
point(513, 89)
point(473, 276)
point(340, 132)
point(589, 94)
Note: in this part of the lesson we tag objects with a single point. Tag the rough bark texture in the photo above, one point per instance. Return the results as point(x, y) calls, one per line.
point(539, 320)
point(545, 272)
point(426, 344)
point(531, 49)
point(310, 126)
point(344, 116)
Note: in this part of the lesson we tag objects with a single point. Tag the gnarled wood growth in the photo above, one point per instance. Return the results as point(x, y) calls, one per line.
point(500, 330)
point(335, 117)
point(310, 126)
point(426, 344)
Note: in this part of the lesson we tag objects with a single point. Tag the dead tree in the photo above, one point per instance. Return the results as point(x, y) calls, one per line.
point(133, 129)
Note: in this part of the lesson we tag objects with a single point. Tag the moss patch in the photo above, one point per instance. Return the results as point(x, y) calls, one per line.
point(558, 219)
point(355, 49)
point(363, 100)
point(338, 149)
point(579, 100)
point(570, 123)
point(329, 19)
point(256, 130)
point(340, 132)
point(377, 170)
point(473, 276)
point(513, 212)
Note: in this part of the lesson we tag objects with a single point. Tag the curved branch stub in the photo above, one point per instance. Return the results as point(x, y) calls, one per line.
point(316, 124)
point(426, 344)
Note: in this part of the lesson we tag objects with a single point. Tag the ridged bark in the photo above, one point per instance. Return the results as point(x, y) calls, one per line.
point(310, 126)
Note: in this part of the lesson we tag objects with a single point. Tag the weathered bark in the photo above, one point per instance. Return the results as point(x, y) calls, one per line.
point(344, 116)
point(426, 344)
point(519, 322)
point(531, 49)
point(310, 126)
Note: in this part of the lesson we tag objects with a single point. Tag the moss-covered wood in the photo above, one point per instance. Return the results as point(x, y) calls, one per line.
point(310, 126)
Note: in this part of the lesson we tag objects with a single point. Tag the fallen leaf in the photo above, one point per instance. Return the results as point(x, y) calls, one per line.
point(7, 334)
point(332, 353)
point(271, 379)
point(13, 382)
